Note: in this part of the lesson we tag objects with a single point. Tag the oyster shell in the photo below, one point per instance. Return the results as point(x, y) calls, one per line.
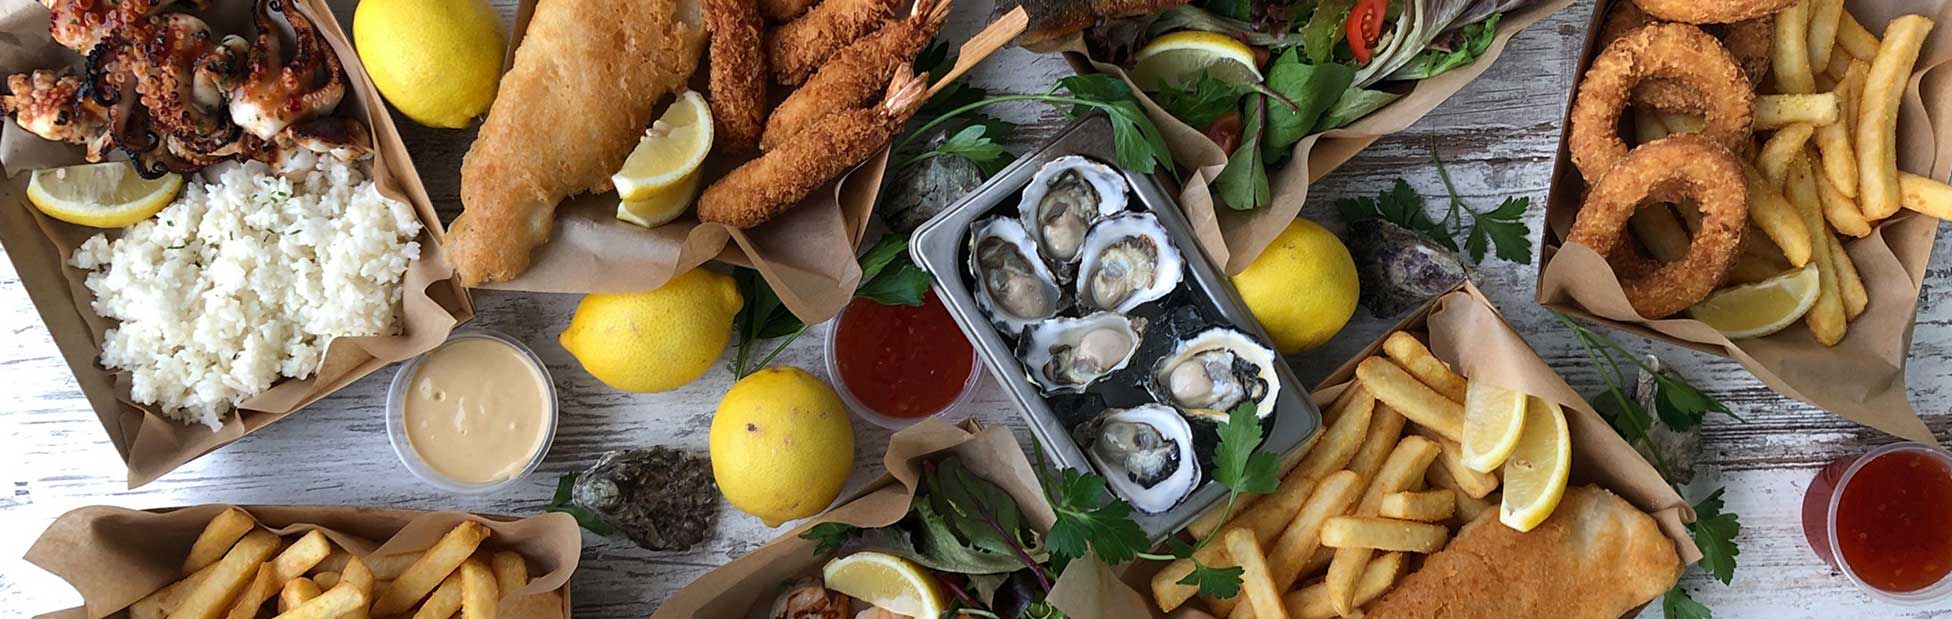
point(1065, 355)
point(661, 498)
point(1215, 371)
point(1013, 286)
point(1128, 260)
point(1145, 453)
point(1061, 203)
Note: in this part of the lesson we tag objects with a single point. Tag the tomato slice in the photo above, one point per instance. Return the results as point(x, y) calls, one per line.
point(1365, 25)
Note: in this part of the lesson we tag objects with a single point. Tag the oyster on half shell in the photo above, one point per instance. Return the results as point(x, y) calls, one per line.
point(1065, 355)
point(1145, 454)
point(1215, 371)
point(1013, 286)
point(1061, 203)
point(1127, 261)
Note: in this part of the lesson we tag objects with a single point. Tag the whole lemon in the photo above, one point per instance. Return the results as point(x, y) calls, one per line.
point(438, 61)
point(782, 445)
point(647, 342)
point(1303, 288)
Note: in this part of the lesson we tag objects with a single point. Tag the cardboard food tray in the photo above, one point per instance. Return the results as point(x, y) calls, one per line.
point(433, 302)
point(1464, 330)
point(115, 556)
point(1863, 377)
point(807, 254)
point(747, 586)
point(1235, 238)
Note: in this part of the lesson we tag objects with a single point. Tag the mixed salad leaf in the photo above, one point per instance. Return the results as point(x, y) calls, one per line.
point(1327, 63)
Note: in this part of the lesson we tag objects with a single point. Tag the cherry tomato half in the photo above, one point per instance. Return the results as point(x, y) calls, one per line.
point(1365, 25)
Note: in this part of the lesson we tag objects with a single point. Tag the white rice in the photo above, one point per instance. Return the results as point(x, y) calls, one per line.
point(246, 279)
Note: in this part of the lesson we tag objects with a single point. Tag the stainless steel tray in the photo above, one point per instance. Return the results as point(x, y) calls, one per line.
point(939, 246)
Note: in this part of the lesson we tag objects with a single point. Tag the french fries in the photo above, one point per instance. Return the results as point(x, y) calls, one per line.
point(1854, 40)
point(1406, 351)
point(311, 579)
point(420, 578)
point(1660, 230)
point(1791, 67)
point(1826, 318)
point(1839, 210)
point(1256, 583)
point(1877, 116)
point(1383, 534)
point(1849, 285)
point(1925, 195)
point(1778, 111)
point(1782, 148)
point(297, 591)
point(1376, 485)
point(1411, 398)
point(217, 538)
point(1422, 506)
point(511, 571)
point(1777, 218)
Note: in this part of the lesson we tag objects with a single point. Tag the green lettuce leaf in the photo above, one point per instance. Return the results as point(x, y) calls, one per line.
point(1313, 88)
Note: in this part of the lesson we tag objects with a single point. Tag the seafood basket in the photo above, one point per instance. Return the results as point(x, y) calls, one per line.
point(1131, 350)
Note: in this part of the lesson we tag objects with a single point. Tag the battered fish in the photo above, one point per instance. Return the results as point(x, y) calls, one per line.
point(586, 80)
point(1596, 558)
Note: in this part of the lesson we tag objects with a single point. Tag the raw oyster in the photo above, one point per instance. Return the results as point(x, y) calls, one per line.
point(1145, 453)
point(661, 498)
point(1400, 269)
point(1013, 287)
point(1127, 261)
point(1065, 355)
point(1214, 372)
point(1061, 203)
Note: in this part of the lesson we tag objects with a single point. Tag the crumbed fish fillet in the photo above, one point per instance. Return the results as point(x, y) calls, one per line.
point(1596, 558)
point(585, 81)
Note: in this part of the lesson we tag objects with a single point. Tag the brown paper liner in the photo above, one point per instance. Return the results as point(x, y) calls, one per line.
point(432, 302)
point(1863, 377)
point(750, 583)
point(806, 255)
point(115, 556)
point(1467, 332)
point(1235, 238)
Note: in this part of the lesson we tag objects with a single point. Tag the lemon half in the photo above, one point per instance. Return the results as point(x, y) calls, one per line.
point(671, 150)
point(1761, 308)
point(1494, 418)
point(1179, 57)
point(888, 582)
point(1536, 472)
point(101, 195)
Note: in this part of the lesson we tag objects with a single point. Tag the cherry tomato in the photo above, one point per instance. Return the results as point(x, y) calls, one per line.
point(1225, 131)
point(1365, 25)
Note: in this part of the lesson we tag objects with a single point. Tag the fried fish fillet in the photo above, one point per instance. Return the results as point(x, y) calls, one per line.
point(585, 81)
point(1596, 558)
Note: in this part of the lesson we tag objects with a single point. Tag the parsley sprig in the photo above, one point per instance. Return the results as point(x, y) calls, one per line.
point(1090, 517)
point(1501, 230)
point(1680, 406)
point(1139, 145)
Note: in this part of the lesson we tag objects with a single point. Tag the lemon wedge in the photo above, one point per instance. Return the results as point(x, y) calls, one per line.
point(1179, 57)
point(1761, 308)
point(672, 149)
point(101, 195)
point(888, 582)
point(1535, 474)
point(662, 207)
point(1494, 417)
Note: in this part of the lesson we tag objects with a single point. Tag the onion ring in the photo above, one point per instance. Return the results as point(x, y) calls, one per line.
point(1712, 11)
point(1676, 52)
point(1752, 42)
point(1688, 167)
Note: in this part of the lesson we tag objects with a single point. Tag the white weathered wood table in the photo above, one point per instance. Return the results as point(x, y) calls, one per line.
point(1498, 137)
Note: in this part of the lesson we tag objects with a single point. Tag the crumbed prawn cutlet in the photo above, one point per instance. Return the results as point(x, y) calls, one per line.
point(797, 48)
point(784, 10)
point(765, 187)
point(1596, 558)
point(584, 85)
point(856, 75)
point(738, 76)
